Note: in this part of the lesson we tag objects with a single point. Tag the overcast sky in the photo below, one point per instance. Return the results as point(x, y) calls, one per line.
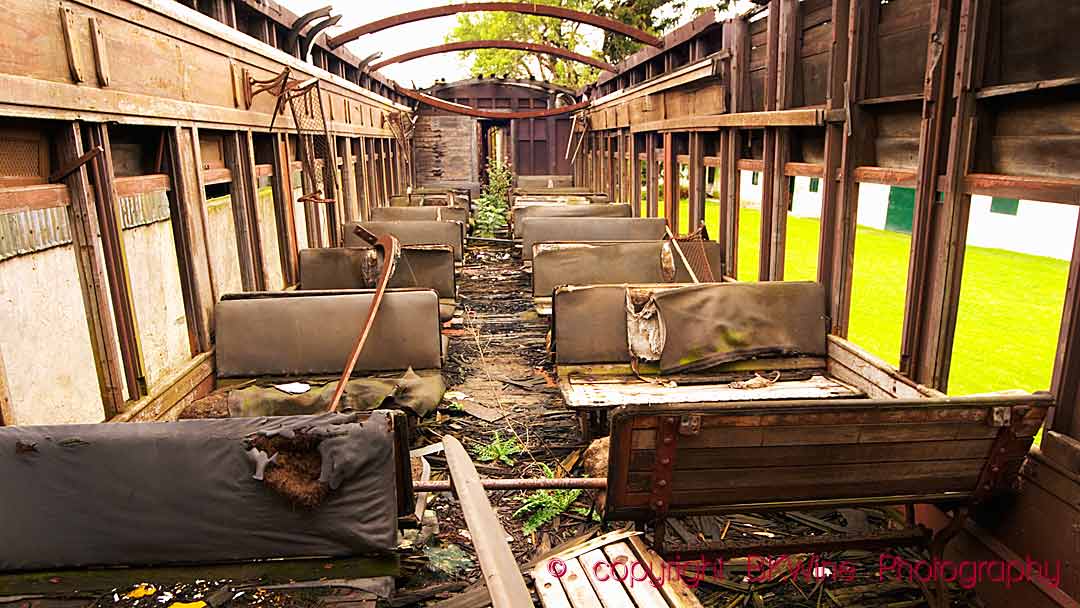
point(421, 72)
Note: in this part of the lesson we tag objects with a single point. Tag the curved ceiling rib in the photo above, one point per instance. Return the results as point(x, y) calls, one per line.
point(469, 45)
point(457, 108)
point(542, 10)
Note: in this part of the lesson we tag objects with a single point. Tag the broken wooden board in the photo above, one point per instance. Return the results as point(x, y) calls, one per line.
point(581, 392)
point(615, 570)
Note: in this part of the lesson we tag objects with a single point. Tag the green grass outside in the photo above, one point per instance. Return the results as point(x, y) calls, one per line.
point(1010, 303)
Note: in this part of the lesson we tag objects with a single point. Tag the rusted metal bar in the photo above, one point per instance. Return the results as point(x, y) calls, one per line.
point(514, 45)
point(74, 166)
point(525, 8)
point(391, 249)
point(301, 22)
point(305, 44)
point(477, 113)
point(543, 483)
point(501, 571)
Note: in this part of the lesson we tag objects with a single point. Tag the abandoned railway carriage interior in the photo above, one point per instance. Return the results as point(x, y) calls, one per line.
point(778, 306)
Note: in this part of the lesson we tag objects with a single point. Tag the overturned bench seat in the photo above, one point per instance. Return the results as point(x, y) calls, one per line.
point(420, 232)
point(281, 353)
point(200, 491)
point(423, 266)
point(588, 229)
point(631, 262)
point(742, 402)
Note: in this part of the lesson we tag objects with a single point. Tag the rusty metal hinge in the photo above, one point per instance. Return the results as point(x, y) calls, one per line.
point(667, 438)
point(690, 424)
point(1001, 416)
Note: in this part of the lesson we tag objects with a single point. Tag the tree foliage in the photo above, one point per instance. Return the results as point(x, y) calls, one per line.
point(644, 14)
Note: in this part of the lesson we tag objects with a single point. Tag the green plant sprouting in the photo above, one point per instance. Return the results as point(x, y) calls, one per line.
point(499, 449)
point(544, 505)
point(491, 208)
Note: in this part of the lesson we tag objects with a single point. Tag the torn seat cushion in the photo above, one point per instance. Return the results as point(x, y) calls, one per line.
point(413, 392)
point(419, 232)
point(713, 323)
point(588, 229)
point(184, 492)
point(312, 333)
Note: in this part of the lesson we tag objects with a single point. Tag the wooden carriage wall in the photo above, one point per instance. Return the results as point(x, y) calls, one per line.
point(452, 149)
point(109, 272)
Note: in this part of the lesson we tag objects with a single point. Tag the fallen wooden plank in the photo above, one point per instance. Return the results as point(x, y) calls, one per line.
point(497, 562)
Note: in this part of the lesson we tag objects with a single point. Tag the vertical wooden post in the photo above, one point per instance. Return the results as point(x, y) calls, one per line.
point(348, 178)
point(385, 166)
point(635, 173)
point(1065, 384)
point(241, 206)
point(834, 140)
point(89, 256)
point(7, 413)
point(787, 39)
point(284, 208)
point(737, 35)
point(856, 149)
point(251, 186)
point(363, 182)
point(652, 187)
point(696, 173)
point(108, 202)
point(939, 231)
point(200, 191)
point(185, 202)
point(671, 183)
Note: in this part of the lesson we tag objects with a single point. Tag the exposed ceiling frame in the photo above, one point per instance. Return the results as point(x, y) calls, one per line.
point(470, 45)
point(525, 8)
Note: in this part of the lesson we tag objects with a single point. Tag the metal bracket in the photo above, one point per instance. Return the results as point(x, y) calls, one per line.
point(690, 424)
point(667, 439)
point(1001, 416)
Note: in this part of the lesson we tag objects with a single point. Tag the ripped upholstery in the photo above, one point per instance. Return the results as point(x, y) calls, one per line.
point(688, 328)
point(412, 392)
point(184, 492)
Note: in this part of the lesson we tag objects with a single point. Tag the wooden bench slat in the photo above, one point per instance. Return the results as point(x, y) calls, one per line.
point(674, 590)
point(719, 418)
point(820, 435)
point(606, 583)
point(577, 586)
point(851, 493)
point(779, 456)
point(645, 593)
point(820, 475)
point(548, 588)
